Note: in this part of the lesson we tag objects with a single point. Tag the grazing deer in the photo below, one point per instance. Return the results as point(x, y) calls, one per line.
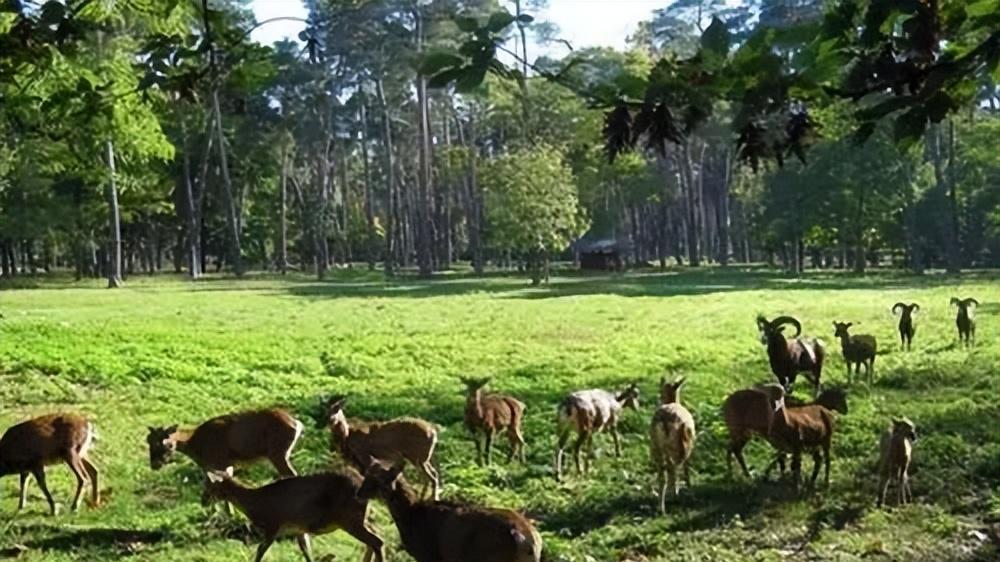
point(672, 435)
point(27, 448)
point(588, 412)
point(224, 442)
point(491, 413)
point(300, 506)
point(362, 443)
point(451, 532)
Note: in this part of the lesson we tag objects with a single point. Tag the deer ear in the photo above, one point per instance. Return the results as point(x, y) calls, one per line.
point(215, 476)
point(171, 430)
point(663, 381)
point(679, 382)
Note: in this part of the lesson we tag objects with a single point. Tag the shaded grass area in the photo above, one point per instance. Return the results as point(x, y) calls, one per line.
point(166, 351)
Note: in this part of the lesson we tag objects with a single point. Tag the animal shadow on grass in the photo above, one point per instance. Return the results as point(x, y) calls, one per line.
point(711, 504)
point(581, 517)
point(124, 542)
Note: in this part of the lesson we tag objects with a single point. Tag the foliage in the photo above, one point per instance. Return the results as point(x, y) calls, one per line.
point(531, 201)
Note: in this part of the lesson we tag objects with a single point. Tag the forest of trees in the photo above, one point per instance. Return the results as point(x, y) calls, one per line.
point(139, 136)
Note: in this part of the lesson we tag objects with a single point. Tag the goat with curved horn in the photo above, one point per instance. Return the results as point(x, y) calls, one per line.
point(906, 328)
point(788, 358)
point(965, 321)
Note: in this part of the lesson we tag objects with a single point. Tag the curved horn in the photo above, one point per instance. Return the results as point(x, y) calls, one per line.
point(969, 301)
point(788, 320)
point(914, 307)
point(898, 306)
point(955, 301)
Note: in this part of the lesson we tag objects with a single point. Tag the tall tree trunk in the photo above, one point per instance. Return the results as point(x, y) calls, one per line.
point(232, 221)
point(282, 250)
point(954, 238)
point(723, 217)
point(424, 220)
point(371, 250)
point(390, 180)
point(691, 201)
point(194, 261)
point(115, 231)
point(860, 261)
point(524, 38)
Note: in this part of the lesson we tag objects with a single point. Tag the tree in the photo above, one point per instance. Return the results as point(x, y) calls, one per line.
point(531, 205)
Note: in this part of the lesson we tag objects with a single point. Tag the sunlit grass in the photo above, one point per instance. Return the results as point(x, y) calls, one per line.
point(166, 351)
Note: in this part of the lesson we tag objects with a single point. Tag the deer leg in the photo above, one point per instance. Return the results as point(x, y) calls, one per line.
point(617, 439)
point(883, 486)
point(796, 469)
point(687, 477)
point(24, 491)
point(817, 461)
point(560, 450)
point(81, 478)
point(576, 450)
point(93, 474)
point(736, 449)
point(906, 487)
point(262, 548)
point(372, 542)
point(489, 445)
point(479, 447)
point(672, 476)
point(305, 546)
point(661, 484)
point(431, 474)
point(39, 473)
point(282, 465)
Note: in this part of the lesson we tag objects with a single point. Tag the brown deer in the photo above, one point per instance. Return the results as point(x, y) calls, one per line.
point(27, 448)
point(672, 435)
point(451, 532)
point(224, 442)
point(300, 506)
point(361, 443)
point(490, 414)
point(896, 451)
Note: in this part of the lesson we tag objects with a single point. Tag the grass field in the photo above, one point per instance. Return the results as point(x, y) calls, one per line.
point(166, 351)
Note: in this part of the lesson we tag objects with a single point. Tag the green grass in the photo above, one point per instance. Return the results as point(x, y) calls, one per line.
point(166, 351)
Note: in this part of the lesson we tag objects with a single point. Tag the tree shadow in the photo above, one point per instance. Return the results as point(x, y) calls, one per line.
point(640, 283)
point(123, 542)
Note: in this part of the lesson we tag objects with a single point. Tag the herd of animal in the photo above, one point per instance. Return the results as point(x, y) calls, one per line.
point(432, 530)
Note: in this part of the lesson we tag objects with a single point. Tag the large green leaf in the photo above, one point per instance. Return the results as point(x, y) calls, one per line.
point(468, 24)
point(499, 21)
point(982, 8)
point(436, 61)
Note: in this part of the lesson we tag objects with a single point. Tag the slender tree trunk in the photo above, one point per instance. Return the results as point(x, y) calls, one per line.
point(115, 250)
point(235, 249)
point(390, 180)
point(954, 238)
point(860, 262)
point(424, 222)
point(282, 250)
point(371, 250)
point(194, 261)
point(691, 202)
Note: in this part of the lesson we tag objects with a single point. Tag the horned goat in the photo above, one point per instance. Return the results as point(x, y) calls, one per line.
point(789, 358)
point(906, 327)
point(965, 321)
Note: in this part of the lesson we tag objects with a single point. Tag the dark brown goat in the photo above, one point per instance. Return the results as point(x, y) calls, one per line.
point(965, 321)
point(751, 412)
point(906, 327)
point(28, 447)
point(490, 414)
point(789, 358)
point(450, 532)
